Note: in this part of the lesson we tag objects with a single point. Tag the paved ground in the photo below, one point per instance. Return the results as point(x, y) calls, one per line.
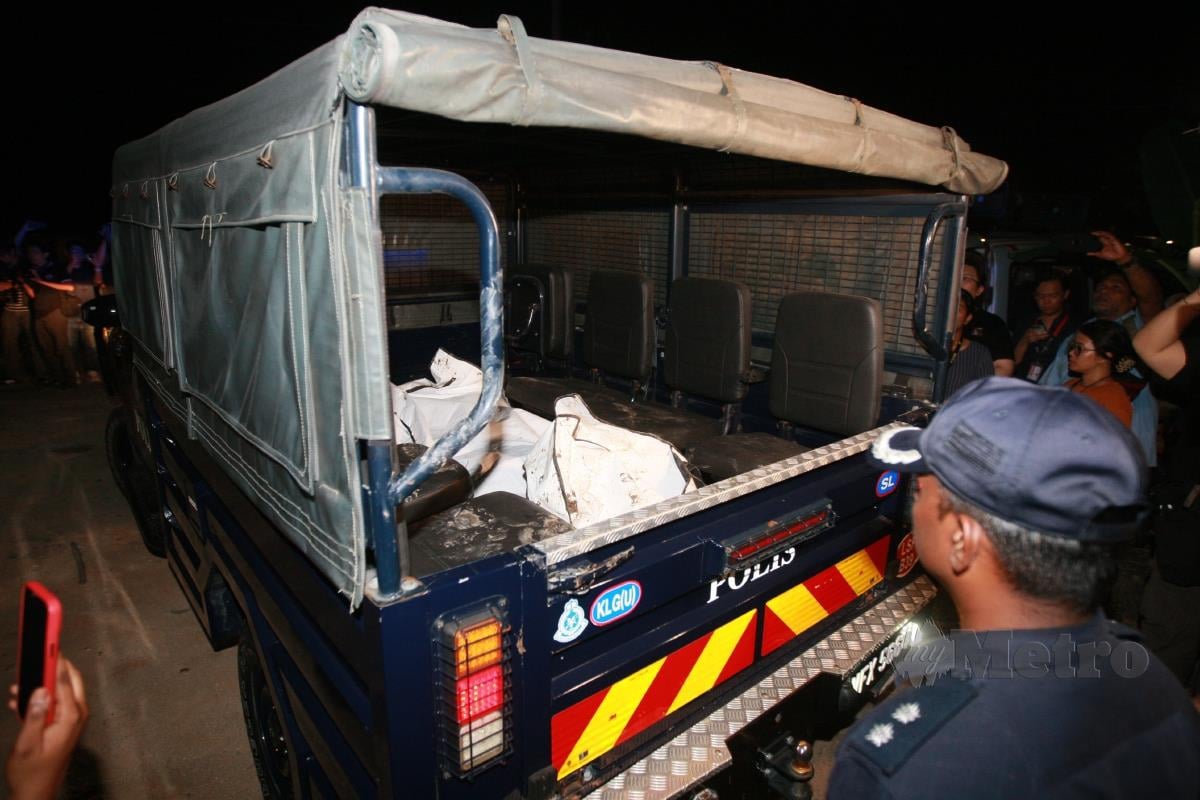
point(166, 719)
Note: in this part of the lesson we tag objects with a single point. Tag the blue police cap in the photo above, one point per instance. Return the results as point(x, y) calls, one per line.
point(1045, 458)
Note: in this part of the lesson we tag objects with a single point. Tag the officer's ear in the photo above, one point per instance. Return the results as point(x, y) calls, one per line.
point(966, 543)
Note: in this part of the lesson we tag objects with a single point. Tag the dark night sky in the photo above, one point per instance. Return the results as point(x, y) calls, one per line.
point(1064, 100)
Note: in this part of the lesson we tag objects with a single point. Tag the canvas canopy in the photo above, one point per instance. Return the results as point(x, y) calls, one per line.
point(251, 273)
point(506, 76)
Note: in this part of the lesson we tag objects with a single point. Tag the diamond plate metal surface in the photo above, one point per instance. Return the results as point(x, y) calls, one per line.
point(574, 543)
point(700, 751)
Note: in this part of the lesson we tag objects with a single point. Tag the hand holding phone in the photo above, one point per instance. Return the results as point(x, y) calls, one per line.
point(37, 647)
point(39, 758)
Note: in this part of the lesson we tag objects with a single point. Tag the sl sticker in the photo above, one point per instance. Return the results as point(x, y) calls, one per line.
point(906, 554)
point(615, 602)
point(887, 483)
point(571, 622)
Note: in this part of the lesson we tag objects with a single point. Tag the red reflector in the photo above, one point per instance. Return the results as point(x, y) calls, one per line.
point(480, 693)
point(771, 539)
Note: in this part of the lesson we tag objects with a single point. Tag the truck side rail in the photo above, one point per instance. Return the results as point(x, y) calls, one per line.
point(396, 180)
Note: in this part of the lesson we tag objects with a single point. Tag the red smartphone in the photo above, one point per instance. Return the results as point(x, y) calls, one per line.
point(37, 648)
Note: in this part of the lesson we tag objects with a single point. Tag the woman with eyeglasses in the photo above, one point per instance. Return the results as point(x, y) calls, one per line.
point(1099, 355)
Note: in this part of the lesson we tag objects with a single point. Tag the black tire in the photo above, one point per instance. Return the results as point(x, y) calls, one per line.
point(135, 481)
point(268, 737)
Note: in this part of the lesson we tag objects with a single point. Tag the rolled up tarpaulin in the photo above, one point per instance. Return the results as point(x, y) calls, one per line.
point(504, 76)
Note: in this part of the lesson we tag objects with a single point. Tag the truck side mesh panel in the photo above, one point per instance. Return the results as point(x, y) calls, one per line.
point(609, 177)
point(430, 242)
point(775, 254)
point(709, 171)
point(636, 241)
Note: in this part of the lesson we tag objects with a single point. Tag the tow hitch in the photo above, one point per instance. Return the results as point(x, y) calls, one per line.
point(787, 767)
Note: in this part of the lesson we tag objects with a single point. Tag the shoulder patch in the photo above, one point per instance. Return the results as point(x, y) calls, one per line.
point(893, 732)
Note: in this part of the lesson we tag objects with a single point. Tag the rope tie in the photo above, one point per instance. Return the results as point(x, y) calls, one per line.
point(266, 157)
point(209, 222)
point(173, 181)
point(210, 177)
point(145, 190)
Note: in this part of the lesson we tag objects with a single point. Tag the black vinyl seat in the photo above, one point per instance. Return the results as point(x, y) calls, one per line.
point(540, 311)
point(708, 339)
point(826, 374)
point(618, 340)
point(707, 354)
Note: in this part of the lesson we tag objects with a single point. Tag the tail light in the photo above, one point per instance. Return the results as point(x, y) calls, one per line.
point(474, 683)
point(758, 545)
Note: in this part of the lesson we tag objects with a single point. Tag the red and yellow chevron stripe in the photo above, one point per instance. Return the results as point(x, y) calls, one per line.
point(595, 725)
point(790, 614)
point(592, 727)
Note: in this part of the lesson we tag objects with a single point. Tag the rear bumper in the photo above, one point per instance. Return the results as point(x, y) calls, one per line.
point(701, 751)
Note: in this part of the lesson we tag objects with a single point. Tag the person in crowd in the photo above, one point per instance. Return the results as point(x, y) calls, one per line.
point(1131, 296)
point(1101, 350)
point(1053, 325)
point(38, 760)
point(1145, 287)
point(49, 322)
point(969, 359)
point(1021, 493)
point(85, 278)
point(1170, 346)
point(30, 226)
point(100, 260)
point(986, 328)
point(16, 326)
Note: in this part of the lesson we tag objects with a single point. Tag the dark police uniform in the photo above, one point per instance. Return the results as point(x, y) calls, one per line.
point(1081, 712)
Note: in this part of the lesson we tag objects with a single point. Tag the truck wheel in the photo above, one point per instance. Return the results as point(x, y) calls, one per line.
point(135, 482)
point(268, 738)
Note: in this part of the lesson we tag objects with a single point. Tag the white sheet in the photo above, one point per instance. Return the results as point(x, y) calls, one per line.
point(578, 468)
point(425, 409)
point(585, 470)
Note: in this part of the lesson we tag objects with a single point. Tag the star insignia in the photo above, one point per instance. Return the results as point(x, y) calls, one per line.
point(881, 734)
point(906, 713)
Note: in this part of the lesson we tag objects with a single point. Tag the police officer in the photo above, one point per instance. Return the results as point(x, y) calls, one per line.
point(1020, 492)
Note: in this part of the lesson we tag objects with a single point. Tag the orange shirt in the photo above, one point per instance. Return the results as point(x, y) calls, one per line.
point(1109, 394)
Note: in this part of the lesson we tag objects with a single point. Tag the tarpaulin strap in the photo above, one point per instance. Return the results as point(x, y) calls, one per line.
point(513, 30)
point(739, 108)
point(952, 140)
point(266, 158)
point(173, 181)
point(210, 177)
point(858, 109)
